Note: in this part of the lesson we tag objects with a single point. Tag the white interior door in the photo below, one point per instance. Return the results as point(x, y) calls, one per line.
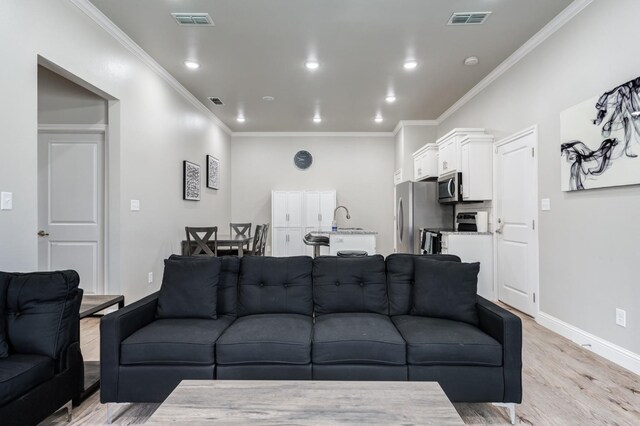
point(516, 217)
point(71, 206)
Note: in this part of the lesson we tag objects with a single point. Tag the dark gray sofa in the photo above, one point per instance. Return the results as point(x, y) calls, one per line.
point(299, 318)
point(43, 370)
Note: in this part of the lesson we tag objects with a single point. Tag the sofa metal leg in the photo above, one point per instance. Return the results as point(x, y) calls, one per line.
point(509, 406)
point(69, 407)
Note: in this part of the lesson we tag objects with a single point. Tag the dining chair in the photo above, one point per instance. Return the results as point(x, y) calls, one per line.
point(257, 238)
point(239, 229)
point(201, 247)
point(263, 240)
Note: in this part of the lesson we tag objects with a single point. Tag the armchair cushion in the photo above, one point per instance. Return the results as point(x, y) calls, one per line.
point(39, 312)
point(4, 345)
point(179, 341)
point(446, 290)
point(436, 341)
point(20, 373)
point(189, 288)
point(356, 284)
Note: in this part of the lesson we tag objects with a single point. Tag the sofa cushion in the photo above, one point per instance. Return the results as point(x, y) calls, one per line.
point(20, 373)
point(275, 285)
point(401, 276)
point(40, 308)
point(357, 284)
point(183, 341)
point(446, 290)
point(436, 341)
point(4, 345)
point(227, 284)
point(266, 339)
point(189, 288)
point(357, 338)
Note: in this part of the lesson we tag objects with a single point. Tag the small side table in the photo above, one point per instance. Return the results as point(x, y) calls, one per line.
point(92, 304)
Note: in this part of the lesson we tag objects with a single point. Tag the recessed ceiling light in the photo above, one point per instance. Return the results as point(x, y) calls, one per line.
point(192, 65)
point(471, 61)
point(312, 65)
point(410, 64)
point(378, 119)
point(317, 119)
point(240, 119)
point(268, 98)
point(635, 114)
point(390, 99)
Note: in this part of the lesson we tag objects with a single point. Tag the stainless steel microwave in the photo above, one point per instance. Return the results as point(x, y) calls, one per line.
point(449, 188)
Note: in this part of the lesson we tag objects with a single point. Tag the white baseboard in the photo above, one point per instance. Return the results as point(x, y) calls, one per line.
point(608, 350)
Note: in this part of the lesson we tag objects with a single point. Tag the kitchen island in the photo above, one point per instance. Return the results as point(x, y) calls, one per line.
point(345, 239)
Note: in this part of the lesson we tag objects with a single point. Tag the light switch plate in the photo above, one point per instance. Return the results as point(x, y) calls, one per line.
point(135, 205)
point(6, 201)
point(621, 317)
point(545, 204)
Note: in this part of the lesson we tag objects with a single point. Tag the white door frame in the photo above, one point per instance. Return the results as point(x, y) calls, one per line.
point(95, 129)
point(533, 130)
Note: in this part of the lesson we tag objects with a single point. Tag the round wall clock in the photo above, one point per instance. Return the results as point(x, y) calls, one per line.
point(302, 159)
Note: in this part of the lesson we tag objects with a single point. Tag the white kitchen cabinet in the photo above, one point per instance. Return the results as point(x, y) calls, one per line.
point(287, 242)
point(449, 150)
point(425, 162)
point(476, 166)
point(318, 209)
point(286, 208)
point(473, 248)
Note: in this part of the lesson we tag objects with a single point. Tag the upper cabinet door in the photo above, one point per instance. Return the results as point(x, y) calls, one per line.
point(311, 209)
point(294, 208)
point(464, 168)
point(279, 208)
point(327, 206)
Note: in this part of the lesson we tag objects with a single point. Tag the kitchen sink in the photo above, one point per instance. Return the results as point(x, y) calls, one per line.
point(349, 229)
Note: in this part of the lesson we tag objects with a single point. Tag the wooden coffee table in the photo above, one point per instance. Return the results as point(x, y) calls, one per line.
point(306, 403)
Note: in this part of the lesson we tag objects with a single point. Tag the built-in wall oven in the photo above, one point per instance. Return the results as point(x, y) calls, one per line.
point(449, 188)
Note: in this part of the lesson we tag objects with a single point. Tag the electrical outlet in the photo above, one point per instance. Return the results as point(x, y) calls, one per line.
point(621, 317)
point(135, 205)
point(150, 278)
point(545, 204)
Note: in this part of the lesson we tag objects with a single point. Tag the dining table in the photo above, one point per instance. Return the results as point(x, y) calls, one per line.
point(237, 241)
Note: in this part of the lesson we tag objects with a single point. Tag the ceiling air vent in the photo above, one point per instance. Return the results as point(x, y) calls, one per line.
point(193, 19)
point(216, 101)
point(468, 18)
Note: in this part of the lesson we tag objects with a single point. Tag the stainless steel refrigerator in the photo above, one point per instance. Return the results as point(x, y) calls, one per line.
point(417, 207)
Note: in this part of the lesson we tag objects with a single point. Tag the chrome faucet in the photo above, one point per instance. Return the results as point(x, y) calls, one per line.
point(335, 212)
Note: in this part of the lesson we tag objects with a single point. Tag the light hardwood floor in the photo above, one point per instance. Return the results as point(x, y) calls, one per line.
point(563, 384)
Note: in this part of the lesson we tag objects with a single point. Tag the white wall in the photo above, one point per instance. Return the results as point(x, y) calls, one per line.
point(153, 129)
point(360, 169)
point(61, 101)
point(589, 251)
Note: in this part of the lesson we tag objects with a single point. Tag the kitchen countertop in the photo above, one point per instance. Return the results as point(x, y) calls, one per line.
point(345, 232)
point(465, 233)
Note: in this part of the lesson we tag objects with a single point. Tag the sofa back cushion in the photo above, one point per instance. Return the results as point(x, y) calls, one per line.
point(227, 284)
point(401, 277)
point(275, 285)
point(189, 288)
point(4, 345)
point(40, 311)
point(357, 284)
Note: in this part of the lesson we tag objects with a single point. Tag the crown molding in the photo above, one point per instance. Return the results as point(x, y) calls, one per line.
point(547, 31)
point(314, 134)
point(112, 29)
point(404, 123)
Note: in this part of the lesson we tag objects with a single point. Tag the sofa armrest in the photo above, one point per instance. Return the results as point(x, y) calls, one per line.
point(114, 328)
point(506, 328)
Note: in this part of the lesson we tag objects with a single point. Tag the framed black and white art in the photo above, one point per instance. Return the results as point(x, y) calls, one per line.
point(213, 172)
point(191, 181)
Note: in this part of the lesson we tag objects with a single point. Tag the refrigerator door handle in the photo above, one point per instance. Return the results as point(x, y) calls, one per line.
point(400, 221)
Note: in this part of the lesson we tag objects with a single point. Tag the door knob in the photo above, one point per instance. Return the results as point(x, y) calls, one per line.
point(500, 226)
point(43, 234)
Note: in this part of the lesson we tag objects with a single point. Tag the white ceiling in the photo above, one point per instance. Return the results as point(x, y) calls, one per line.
point(258, 48)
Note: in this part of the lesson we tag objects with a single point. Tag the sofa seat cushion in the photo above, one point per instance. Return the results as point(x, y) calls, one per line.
point(436, 341)
point(267, 339)
point(19, 373)
point(357, 338)
point(184, 341)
